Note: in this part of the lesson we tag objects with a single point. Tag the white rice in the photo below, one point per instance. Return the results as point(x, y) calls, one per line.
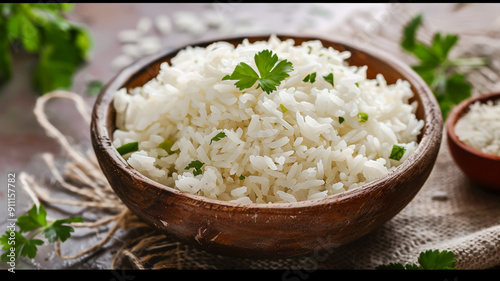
point(480, 127)
point(267, 156)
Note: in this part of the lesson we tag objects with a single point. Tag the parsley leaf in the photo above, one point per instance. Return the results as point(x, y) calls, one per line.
point(128, 148)
point(245, 74)
point(18, 244)
point(437, 259)
point(397, 152)
point(35, 221)
point(218, 137)
point(341, 119)
point(329, 78)
point(310, 78)
point(58, 231)
point(242, 177)
point(30, 248)
point(60, 45)
point(428, 260)
point(435, 68)
point(272, 72)
point(196, 164)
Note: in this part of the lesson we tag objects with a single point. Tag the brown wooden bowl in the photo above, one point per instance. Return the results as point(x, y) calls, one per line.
point(481, 168)
point(269, 230)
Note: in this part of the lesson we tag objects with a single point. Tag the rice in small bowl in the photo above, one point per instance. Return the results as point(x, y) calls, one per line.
point(319, 161)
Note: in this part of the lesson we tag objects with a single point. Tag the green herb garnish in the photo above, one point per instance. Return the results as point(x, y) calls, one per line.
point(310, 77)
point(329, 78)
point(341, 119)
point(94, 87)
point(197, 167)
point(363, 116)
point(61, 46)
point(397, 152)
point(167, 146)
point(271, 74)
point(428, 260)
point(128, 147)
point(242, 177)
point(436, 69)
point(35, 220)
point(218, 137)
point(283, 108)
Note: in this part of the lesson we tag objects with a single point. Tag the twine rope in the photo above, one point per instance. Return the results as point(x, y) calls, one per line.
point(91, 183)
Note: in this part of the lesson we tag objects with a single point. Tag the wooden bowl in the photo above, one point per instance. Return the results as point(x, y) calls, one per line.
point(481, 168)
point(269, 230)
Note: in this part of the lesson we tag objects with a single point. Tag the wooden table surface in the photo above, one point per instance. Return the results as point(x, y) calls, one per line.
point(21, 137)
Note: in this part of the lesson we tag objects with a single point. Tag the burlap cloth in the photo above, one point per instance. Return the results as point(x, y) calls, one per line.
point(449, 213)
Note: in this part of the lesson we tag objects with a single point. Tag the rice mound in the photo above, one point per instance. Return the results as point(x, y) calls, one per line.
point(479, 128)
point(269, 155)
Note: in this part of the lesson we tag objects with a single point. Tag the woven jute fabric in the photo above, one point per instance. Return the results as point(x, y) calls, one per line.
point(449, 212)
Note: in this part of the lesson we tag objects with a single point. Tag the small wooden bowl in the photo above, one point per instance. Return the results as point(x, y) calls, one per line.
point(269, 230)
point(481, 168)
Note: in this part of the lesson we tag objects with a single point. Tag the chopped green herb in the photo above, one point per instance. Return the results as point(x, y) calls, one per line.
point(357, 84)
point(436, 69)
point(397, 152)
point(167, 146)
point(310, 77)
point(428, 260)
point(329, 78)
point(128, 147)
point(218, 137)
point(283, 108)
point(363, 116)
point(35, 220)
point(341, 119)
point(242, 177)
point(197, 167)
point(272, 72)
point(310, 49)
point(94, 87)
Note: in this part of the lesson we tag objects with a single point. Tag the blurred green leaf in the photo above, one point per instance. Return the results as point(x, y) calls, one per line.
point(435, 68)
point(61, 45)
point(458, 88)
point(5, 58)
point(94, 87)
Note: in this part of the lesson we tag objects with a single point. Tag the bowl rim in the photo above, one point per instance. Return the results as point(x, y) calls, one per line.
point(458, 112)
point(432, 129)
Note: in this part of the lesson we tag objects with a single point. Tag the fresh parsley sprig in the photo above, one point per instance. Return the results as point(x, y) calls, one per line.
point(272, 72)
point(436, 68)
point(35, 223)
point(40, 28)
point(196, 164)
point(428, 260)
